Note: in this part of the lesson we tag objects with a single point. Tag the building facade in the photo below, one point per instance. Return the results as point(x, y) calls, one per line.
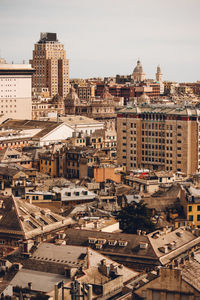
point(52, 67)
point(15, 91)
point(159, 138)
point(48, 108)
point(98, 108)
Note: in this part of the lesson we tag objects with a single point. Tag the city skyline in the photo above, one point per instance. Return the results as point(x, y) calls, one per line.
point(107, 40)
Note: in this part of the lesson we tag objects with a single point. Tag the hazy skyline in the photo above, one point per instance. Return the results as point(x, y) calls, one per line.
point(105, 38)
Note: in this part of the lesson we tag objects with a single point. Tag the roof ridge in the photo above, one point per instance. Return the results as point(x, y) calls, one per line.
point(17, 211)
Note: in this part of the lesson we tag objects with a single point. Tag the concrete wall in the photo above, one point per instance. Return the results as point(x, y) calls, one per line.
point(113, 285)
point(111, 228)
point(60, 133)
point(102, 174)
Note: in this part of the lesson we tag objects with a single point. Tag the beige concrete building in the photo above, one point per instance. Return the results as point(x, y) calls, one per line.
point(52, 67)
point(85, 90)
point(15, 91)
point(159, 138)
point(48, 108)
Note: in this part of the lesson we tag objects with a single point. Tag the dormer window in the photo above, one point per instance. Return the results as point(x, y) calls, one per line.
point(101, 241)
point(112, 242)
point(123, 243)
point(92, 240)
point(143, 245)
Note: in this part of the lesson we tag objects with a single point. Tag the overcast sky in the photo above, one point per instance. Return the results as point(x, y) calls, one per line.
point(106, 37)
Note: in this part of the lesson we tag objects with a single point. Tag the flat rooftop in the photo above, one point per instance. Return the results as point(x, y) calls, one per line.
point(15, 67)
point(78, 120)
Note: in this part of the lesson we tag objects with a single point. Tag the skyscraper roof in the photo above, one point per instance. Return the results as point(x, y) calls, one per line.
point(46, 37)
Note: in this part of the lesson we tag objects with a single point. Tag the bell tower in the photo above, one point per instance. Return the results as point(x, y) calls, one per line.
point(159, 74)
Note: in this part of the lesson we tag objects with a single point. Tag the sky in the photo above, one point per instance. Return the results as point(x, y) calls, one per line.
point(105, 38)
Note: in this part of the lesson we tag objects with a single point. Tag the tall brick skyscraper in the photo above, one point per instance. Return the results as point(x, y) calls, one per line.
point(52, 67)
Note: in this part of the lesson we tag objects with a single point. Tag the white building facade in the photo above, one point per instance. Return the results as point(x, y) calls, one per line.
point(16, 91)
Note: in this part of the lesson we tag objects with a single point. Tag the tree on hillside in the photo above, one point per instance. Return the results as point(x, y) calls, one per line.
point(135, 216)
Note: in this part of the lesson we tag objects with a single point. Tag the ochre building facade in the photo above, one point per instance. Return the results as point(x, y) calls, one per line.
point(159, 138)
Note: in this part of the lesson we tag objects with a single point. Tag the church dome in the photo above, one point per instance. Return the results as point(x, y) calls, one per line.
point(144, 99)
point(138, 73)
point(106, 94)
point(72, 97)
point(138, 68)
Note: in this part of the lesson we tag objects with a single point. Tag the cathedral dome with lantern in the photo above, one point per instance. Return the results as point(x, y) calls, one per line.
point(138, 72)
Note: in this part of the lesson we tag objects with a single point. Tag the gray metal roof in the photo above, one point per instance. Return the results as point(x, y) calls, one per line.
point(41, 281)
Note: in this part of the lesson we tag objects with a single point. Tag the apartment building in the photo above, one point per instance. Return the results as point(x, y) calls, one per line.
point(15, 90)
point(85, 91)
point(159, 138)
point(47, 108)
point(52, 67)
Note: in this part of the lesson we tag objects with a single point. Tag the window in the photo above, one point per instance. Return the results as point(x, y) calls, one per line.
point(198, 217)
point(189, 208)
point(198, 207)
point(190, 218)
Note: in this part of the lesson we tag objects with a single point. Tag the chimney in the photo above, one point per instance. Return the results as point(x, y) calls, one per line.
point(89, 295)
point(165, 230)
point(30, 285)
point(103, 262)
point(95, 225)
